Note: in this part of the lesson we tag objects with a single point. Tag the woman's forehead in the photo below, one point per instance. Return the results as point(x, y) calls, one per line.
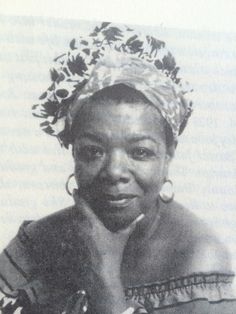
point(120, 120)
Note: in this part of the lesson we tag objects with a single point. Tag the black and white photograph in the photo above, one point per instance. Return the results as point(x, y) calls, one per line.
point(118, 162)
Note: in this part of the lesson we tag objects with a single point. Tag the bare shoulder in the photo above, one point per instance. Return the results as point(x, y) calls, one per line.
point(194, 246)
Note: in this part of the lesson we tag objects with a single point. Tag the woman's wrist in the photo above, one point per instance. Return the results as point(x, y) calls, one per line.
point(107, 269)
point(107, 294)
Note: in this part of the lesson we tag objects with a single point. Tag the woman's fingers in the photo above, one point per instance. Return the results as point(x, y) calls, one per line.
point(133, 224)
point(87, 213)
point(84, 208)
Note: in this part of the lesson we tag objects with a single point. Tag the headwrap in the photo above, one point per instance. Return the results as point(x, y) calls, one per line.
point(112, 55)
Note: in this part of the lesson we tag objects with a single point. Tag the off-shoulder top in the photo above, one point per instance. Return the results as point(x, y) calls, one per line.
point(28, 289)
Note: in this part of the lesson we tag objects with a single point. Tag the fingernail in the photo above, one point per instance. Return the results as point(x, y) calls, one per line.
point(140, 217)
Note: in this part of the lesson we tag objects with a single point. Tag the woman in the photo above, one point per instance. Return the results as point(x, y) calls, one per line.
point(125, 246)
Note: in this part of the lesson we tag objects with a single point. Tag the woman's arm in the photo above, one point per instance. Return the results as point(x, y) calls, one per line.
point(106, 293)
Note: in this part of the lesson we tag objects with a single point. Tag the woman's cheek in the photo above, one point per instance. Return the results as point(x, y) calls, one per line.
point(86, 172)
point(150, 176)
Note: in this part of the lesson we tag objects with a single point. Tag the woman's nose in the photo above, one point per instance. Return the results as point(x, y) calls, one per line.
point(116, 168)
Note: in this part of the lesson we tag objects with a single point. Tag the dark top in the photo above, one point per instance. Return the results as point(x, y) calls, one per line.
point(189, 268)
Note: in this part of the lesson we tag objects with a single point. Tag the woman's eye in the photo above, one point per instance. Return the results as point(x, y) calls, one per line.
point(91, 152)
point(141, 153)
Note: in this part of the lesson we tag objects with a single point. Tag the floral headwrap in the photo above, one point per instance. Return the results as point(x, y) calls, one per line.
point(112, 55)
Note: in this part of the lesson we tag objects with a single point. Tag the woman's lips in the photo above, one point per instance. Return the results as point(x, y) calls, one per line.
point(118, 200)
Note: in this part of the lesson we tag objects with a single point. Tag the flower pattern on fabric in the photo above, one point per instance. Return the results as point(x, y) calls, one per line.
point(145, 299)
point(12, 304)
point(73, 71)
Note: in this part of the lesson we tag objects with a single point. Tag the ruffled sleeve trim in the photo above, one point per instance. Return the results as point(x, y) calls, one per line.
point(212, 287)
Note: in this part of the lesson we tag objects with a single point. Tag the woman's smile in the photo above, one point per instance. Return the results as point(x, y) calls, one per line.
point(118, 201)
point(120, 159)
point(118, 198)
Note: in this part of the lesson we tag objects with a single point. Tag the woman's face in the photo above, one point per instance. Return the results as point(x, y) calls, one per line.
point(120, 160)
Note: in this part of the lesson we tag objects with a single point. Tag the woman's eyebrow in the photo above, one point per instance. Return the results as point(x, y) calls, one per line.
point(92, 136)
point(140, 137)
point(131, 139)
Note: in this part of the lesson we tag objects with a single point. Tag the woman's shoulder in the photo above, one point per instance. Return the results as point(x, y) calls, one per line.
point(189, 263)
point(42, 243)
point(37, 258)
point(54, 237)
point(53, 224)
point(195, 243)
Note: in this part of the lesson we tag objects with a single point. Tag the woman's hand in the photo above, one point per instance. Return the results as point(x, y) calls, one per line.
point(106, 252)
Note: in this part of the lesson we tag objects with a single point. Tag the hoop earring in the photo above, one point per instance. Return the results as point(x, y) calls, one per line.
point(67, 184)
point(166, 193)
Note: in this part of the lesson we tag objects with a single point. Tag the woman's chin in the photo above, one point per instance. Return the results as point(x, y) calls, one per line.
point(118, 219)
point(115, 224)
